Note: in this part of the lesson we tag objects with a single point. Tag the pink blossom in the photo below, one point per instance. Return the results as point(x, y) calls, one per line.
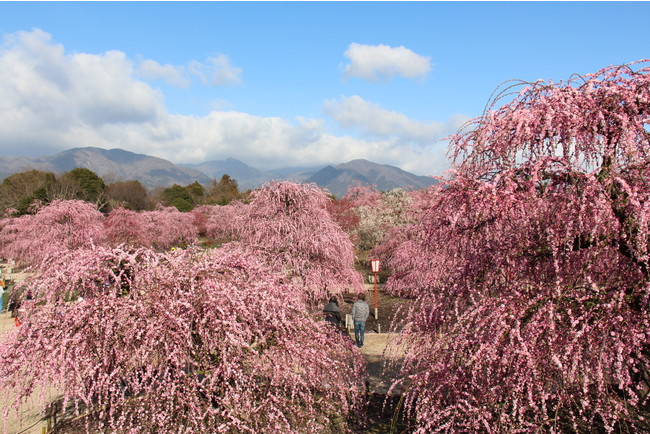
point(530, 266)
point(188, 341)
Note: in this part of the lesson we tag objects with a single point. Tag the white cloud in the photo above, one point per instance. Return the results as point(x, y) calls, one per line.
point(51, 101)
point(152, 70)
point(417, 145)
point(44, 92)
point(374, 121)
point(216, 71)
point(377, 62)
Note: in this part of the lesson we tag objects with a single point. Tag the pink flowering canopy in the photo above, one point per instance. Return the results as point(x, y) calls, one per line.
point(599, 120)
point(363, 195)
point(221, 222)
point(401, 246)
point(288, 225)
point(60, 226)
point(125, 226)
point(167, 227)
point(188, 341)
point(531, 267)
point(344, 213)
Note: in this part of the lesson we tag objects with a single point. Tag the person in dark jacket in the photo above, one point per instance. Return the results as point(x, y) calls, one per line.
point(14, 301)
point(332, 312)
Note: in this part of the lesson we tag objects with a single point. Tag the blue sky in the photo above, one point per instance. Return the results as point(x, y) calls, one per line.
point(286, 84)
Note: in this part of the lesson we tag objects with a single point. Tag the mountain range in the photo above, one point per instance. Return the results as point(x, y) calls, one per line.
point(120, 165)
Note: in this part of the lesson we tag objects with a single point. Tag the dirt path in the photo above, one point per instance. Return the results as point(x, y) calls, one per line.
point(380, 378)
point(383, 366)
point(382, 406)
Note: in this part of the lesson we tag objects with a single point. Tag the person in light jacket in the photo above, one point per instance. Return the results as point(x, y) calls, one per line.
point(360, 312)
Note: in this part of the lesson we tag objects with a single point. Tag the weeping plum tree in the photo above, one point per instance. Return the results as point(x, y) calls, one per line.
point(367, 214)
point(163, 228)
point(375, 221)
point(401, 248)
point(222, 222)
point(166, 227)
point(124, 226)
point(534, 283)
point(364, 202)
point(188, 341)
point(344, 213)
point(60, 226)
point(289, 226)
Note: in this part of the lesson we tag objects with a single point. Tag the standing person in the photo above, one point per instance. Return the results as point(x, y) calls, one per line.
point(14, 301)
point(360, 312)
point(332, 312)
point(2, 291)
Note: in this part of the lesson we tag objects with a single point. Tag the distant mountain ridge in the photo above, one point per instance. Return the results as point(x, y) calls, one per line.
point(120, 165)
point(337, 179)
point(246, 176)
point(110, 164)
